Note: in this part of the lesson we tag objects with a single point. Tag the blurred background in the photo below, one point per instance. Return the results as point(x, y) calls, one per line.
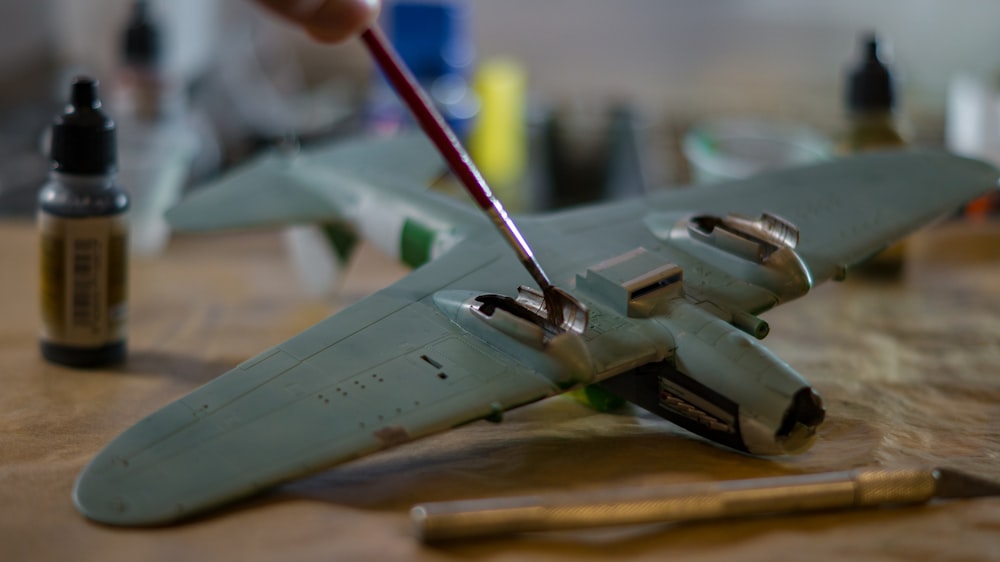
point(537, 87)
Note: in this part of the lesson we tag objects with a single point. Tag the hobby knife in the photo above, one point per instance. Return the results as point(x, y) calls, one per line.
point(693, 502)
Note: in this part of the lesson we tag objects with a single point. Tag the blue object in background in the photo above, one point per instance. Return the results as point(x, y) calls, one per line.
point(434, 40)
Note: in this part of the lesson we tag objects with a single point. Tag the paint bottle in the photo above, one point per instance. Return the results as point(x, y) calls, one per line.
point(873, 124)
point(84, 237)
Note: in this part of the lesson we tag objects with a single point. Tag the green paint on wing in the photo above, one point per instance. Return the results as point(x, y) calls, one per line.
point(415, 246)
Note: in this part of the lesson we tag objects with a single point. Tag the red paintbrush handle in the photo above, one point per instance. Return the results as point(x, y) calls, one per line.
point(450, 148)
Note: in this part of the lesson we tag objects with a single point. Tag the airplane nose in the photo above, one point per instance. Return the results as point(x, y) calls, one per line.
point(798, 426)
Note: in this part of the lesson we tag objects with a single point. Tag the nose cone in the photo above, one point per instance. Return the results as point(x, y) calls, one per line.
point(798, 427)
point(788, 431)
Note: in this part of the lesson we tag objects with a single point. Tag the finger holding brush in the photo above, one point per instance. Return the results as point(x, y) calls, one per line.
point(327, 21)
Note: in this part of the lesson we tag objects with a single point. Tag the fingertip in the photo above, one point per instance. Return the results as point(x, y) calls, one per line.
point(336, 21)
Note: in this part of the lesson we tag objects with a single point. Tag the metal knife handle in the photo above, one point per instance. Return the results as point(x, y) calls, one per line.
point(672, 503)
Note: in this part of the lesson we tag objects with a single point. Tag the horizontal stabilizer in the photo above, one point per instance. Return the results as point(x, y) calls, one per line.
point(279, 189)
point(263, 193)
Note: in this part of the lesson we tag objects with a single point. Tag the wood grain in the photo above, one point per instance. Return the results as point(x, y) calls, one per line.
point(910, 371)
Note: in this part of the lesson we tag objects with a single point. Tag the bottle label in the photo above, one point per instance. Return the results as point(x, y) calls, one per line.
point(83, 279)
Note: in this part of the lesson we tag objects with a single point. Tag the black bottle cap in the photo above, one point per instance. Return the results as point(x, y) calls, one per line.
point(870, 85)
point(83, 137)
point(141, 40)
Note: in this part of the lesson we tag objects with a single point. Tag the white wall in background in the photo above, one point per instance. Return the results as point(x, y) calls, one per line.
point(779, 57)
point(783, 57)
point(26, 33)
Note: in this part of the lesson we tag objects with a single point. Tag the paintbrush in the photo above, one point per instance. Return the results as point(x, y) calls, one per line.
point(561, 307)
point(693, 502)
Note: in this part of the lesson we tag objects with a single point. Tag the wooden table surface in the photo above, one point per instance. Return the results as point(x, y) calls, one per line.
point(909, 370)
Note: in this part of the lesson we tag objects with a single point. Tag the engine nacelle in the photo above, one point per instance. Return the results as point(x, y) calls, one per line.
point(723, 385)
point(760, 252)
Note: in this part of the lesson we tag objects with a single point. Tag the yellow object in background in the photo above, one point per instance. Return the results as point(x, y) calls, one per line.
point(498, 141)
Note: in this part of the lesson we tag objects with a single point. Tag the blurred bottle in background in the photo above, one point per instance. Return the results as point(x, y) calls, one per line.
point(873, 123)
point(157, 146)
point(590, 151)
point(872, 119)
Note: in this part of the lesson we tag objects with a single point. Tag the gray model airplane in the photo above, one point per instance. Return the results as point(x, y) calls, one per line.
point(671, 284)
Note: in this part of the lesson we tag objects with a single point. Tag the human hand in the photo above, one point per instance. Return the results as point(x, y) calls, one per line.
point(329, 21)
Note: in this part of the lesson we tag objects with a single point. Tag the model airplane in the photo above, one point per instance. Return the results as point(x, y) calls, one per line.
point(672, 284)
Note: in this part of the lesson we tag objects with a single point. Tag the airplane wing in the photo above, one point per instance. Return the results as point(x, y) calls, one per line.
point(386, 370)
point(280, 189)
point(846, 210)
point(389, 369)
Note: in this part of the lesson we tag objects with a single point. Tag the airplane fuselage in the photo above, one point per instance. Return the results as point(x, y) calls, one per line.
point(691, 355)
